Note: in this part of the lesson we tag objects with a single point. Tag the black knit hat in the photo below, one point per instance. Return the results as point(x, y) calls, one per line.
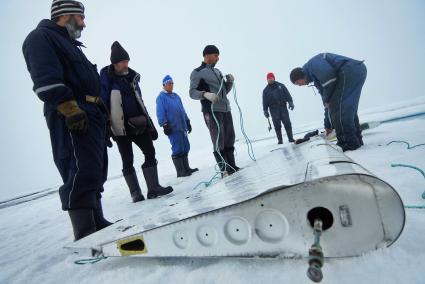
point(66, 7)
point(118, 53)
point(210, 49)
point(296, 74)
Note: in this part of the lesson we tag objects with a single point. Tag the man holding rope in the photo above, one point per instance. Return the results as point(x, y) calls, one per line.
point(208, 85)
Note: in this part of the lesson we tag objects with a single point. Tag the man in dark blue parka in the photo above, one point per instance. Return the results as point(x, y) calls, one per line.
point(339, 80)
point(130, 123)
point(277, 98)
point(68, 84)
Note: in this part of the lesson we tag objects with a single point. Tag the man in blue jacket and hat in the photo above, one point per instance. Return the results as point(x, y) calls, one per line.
point(176, 124)
point(339, 80)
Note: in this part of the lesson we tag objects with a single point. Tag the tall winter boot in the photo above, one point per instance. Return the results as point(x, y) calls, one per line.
point(290, 136)
point(186, 164)
point(279, 135)
point(154, 188)
point(180, 168)
point(223, 168)
point(133, 185)
point(82, 221)
point(99, 220)
point(230, 159)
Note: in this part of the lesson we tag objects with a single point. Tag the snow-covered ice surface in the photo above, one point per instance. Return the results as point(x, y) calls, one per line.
point(33, 233)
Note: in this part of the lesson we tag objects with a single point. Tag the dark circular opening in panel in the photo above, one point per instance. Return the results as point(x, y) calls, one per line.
point(323, 214)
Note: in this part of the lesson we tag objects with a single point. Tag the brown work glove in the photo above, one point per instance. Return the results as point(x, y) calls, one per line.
point(75, 118)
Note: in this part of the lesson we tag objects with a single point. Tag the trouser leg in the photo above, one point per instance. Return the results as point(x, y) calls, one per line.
point(355, 76)
point(278, 129)
point(287, 124)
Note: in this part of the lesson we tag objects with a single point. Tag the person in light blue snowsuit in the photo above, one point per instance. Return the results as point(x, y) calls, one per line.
point(176, 124)
point(339, 80)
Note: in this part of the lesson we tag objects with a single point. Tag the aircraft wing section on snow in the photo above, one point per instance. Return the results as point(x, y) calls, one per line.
point(264, 209)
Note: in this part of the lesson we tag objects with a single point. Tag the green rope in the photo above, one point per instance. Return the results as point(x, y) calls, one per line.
point(411, 167)
point(217, 148)
point(90, 260)
point(407, 143)
point(208, 183)
point(218, 169)
point(247, 141)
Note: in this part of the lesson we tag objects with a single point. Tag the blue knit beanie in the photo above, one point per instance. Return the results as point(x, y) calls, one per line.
point(167, 79)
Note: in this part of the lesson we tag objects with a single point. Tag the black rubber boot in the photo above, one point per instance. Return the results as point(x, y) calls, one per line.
point(347, 147)
point(186, 164)
point(230, 159)
point(133, 185)
point(82, 221)
point(154, 188)
point(279, 135)
point(222, 167)
point(290, 136)
point(180, 168)
point(99, 219)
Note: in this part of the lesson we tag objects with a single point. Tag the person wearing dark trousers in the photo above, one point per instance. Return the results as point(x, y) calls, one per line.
point(176, 124)
point(68, 84)
point(277, 98)
point(339, 80)
point(208, 85)
point(130, 123)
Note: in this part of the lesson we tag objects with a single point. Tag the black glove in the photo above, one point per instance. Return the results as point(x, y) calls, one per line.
point(108, 142)
point(266, 114)
point(189, 127)
point(75, 118)
point(291, 105)
point(154, 134)
point(167, 129)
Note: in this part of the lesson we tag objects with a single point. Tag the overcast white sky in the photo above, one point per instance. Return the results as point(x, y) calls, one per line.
point(167, 37)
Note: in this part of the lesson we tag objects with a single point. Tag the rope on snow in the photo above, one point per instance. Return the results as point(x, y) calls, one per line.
point(407, 143)
point(90, 260)
point(423, 174)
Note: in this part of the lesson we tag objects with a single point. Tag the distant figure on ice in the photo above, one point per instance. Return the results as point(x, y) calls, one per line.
point(276, 98)
point(130, 122)
point(68, 84)
point(339, 80)
point(176, 124)
point(208, 85)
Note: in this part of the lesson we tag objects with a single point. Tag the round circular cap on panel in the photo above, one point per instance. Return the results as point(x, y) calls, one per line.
point(271, 226)
point(237, 230)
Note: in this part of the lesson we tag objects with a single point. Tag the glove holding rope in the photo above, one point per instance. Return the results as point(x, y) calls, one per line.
point(213, 98)
point(230, 78)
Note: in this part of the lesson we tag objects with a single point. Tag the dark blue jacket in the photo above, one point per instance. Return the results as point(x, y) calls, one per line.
point(323, 70)
point(59, 69)
point(275, 96)
point(125, 85)
point(127, 99)
point(169, 109)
